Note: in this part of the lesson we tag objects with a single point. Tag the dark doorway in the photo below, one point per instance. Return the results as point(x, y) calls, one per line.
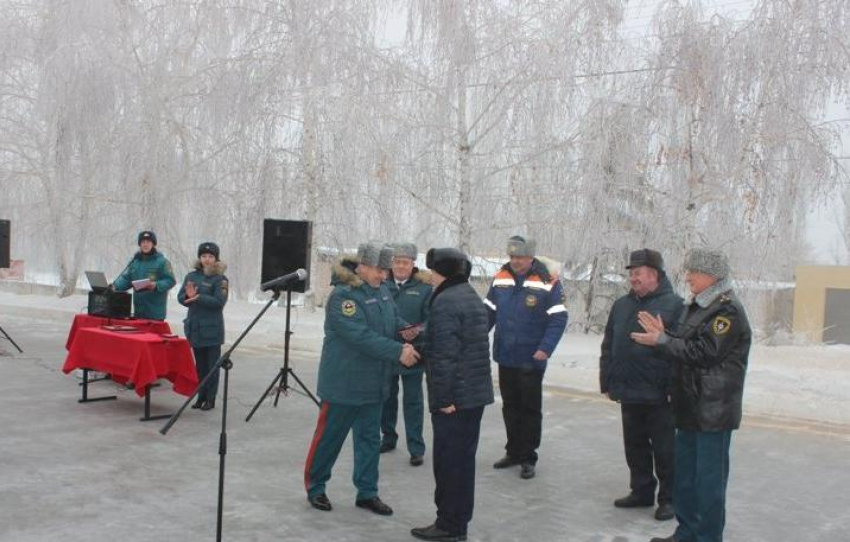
point(836, 317)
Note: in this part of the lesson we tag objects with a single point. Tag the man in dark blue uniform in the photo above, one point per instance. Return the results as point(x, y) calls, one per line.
point(526, 305)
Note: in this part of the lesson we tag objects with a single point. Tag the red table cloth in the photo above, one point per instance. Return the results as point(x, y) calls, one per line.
point(88, 320)
point(140, 358)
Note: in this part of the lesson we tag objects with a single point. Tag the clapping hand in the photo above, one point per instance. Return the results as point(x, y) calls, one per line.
point(653, 327)
point(191, 292)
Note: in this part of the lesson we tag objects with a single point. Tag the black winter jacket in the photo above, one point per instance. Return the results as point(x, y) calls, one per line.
point(457, 348)
point(630, 372)
point(709, 354)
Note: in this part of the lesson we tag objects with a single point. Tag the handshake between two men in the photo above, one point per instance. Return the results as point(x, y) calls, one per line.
point(409, 356)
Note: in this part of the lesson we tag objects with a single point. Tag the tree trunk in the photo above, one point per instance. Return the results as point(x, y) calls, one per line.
point(464, 233)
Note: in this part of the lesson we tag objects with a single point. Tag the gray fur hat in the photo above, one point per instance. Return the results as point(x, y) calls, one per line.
point(709, 262)
point(385, 259)
point(520, 246)
point(370, 253)
point(406, 250)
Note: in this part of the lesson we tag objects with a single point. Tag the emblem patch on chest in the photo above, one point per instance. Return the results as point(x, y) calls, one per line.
point(349, 308)
point(721, 325)
point(531, 301)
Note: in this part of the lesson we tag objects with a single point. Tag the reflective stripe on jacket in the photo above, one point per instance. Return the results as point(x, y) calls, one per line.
point(528, 313)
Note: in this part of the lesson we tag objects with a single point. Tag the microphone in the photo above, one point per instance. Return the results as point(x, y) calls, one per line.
point(280, 282)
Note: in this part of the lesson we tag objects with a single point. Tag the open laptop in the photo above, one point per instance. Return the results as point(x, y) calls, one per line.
point(97, 281)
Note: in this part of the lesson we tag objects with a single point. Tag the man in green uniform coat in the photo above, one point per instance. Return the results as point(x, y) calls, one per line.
point(359, 350)
point(411, 291)
point(149, 300)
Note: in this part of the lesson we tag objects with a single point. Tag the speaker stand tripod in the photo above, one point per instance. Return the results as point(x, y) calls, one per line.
point(8, 338)
point(280, 384)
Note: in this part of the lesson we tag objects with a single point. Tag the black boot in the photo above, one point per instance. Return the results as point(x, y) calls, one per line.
point(432, 532)
point(505, 462)
point(665, 511)
point(208, 405)
point(321, 502)
point(199, 402)
point(376, 505)
point(634, 501)
point(671, 538)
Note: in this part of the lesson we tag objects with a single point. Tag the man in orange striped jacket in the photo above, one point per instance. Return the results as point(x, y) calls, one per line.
point(526, 305)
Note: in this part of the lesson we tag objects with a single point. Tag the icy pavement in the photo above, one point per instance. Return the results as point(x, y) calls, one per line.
point(94, 472)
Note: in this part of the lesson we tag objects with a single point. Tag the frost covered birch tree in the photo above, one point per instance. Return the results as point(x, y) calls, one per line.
point(201, 118)
point(735, 128)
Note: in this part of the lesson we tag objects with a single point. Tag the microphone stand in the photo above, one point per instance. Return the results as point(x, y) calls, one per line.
point(8, 338)
point(285, 371)
point(225, 363)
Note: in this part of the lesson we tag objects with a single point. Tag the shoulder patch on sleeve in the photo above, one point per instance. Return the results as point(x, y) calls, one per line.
point(349, 307)
point(721, 325)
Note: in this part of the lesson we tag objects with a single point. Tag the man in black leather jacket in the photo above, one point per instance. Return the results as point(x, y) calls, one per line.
point(457, 366)
point(708, 355)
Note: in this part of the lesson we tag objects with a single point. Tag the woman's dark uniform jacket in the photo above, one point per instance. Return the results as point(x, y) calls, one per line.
point(204, 323)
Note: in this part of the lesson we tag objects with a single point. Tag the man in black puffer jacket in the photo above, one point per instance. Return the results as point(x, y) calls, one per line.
point(638, 377)
point(457, 368)
point(708, 355)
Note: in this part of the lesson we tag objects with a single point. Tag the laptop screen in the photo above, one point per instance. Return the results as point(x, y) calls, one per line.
point(97, 280)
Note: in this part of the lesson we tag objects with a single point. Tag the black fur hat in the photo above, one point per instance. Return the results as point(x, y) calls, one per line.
point(146, 235)
point(448, 262)
point(209, 248)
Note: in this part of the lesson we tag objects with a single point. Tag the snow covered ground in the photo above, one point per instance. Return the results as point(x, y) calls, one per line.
point(92, 472)
point(805, 383)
